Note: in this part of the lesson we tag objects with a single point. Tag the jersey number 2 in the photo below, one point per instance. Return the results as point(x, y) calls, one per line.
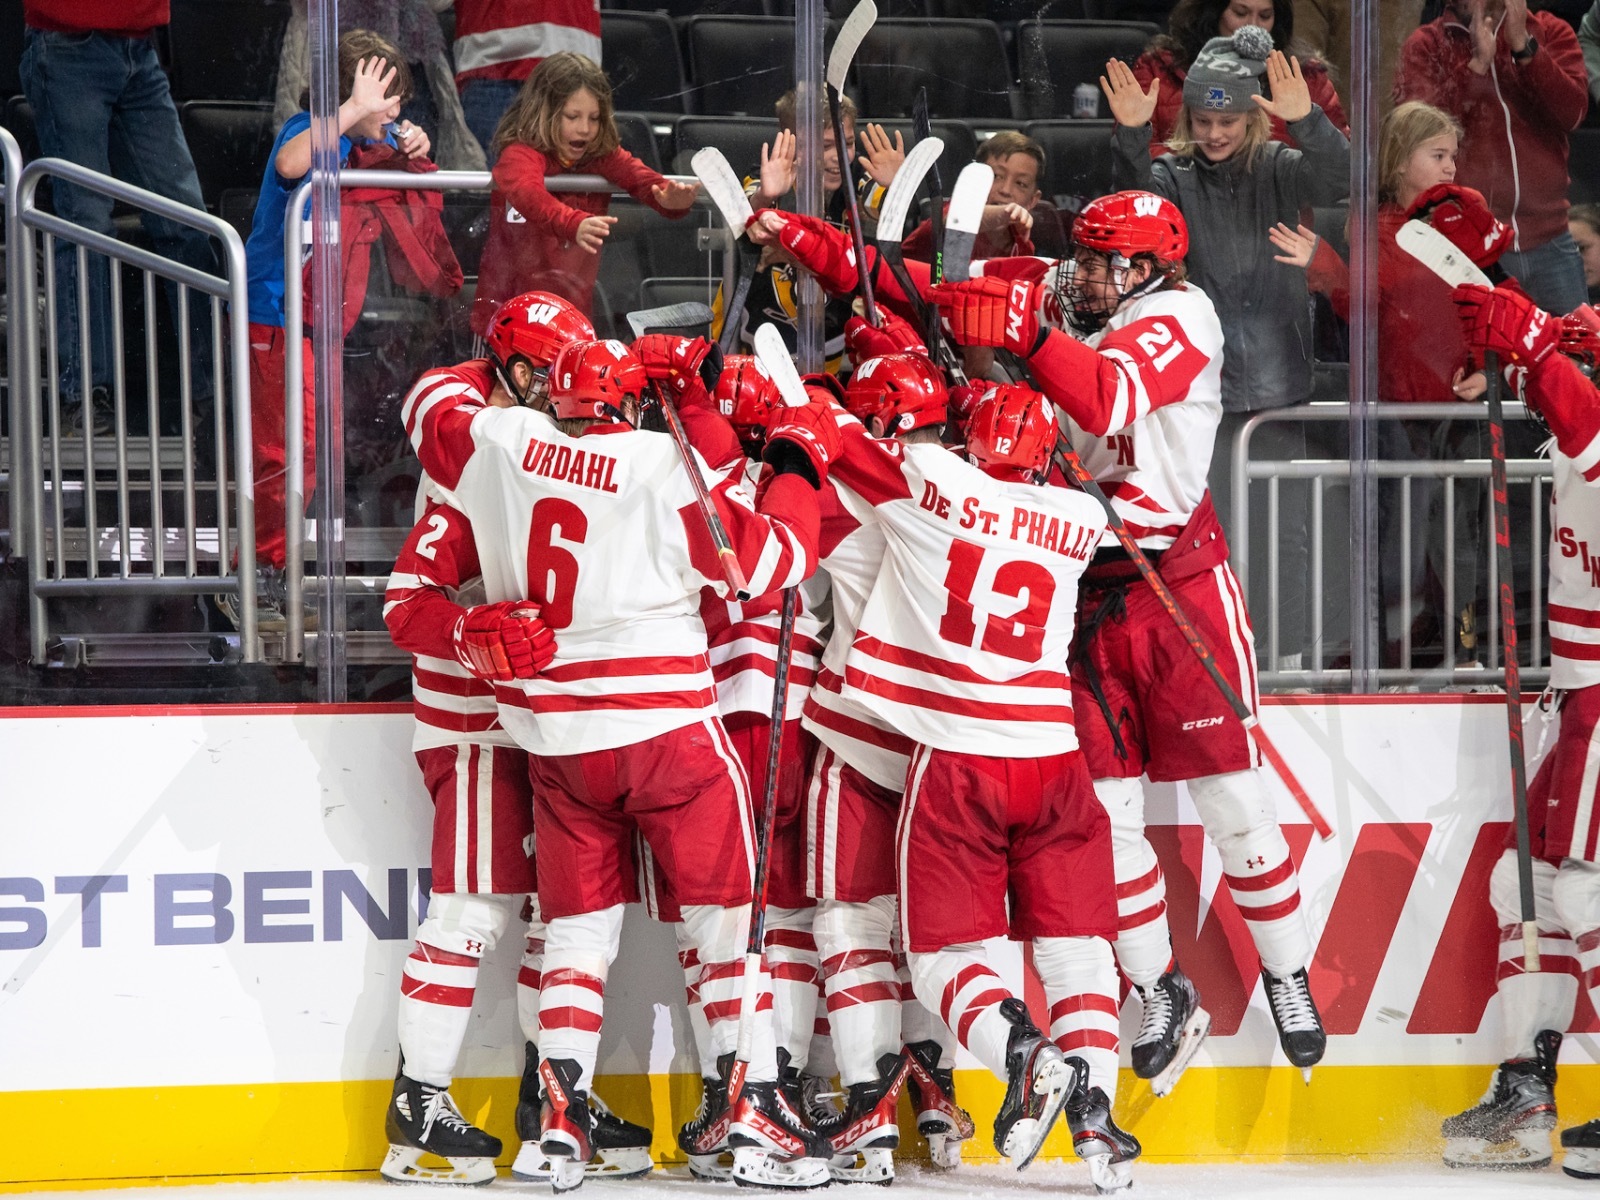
point(1019, 636)
point(552, 568)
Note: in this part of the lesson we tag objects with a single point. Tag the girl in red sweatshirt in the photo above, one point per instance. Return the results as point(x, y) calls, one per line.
point(560, 123)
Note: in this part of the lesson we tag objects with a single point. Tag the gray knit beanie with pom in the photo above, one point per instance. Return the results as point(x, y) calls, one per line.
point(1228, 70)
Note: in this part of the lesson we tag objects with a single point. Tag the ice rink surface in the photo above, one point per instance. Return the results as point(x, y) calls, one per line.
point(1152, 1181)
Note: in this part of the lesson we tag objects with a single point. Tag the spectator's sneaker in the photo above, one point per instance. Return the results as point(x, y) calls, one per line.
point(102, 415)
point(271, 595)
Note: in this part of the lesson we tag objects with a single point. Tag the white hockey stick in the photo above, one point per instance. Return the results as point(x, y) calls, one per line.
point(684, 315)
point(856, 26)
point(965, 215)
point(903, 189)
point(775, 359)
point(1439, 254)
point(722, 185)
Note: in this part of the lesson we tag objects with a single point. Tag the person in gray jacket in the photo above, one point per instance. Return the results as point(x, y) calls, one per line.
point(1232, 183)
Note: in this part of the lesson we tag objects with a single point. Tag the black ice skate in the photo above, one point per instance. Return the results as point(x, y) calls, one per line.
point(943, 1122)
point(1170, 1034)
point(1295, 1014)
point(816, 1104)
point(772, 1145)
point(704, 1138)
point(1582, 1146)
point(1510, 1127)
point(1039, 1081)
point(621, 1148)
point(566, 1126)
point(423, 1119)
point(867, 1137)
point(1108, 1150)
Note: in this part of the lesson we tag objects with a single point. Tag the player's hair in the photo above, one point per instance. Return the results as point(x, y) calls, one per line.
point(534, 117)
point(926, 435)
point(785, 109)
point(1193, 23)
point(1405, 128)
point(1257, 133)
point(1588, 214)
point(1008, 142)
point(360, 44)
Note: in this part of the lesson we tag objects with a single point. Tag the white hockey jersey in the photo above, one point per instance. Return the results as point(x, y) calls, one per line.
point(603, 532)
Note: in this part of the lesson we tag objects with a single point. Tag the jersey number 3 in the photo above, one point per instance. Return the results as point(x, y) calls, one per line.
point(1019, 636)
point(552, 568)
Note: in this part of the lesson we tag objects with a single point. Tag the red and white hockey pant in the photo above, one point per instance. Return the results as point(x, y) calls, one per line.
point(1567, 901)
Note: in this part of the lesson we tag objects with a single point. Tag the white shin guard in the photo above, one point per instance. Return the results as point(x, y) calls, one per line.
point(529, 973)
point(853, 940)
point(1080, 986)
point(793, 964)
point(578, 953)
point(718, 936)
point(441, 977)
point(1144, 942)
point(972, 1009)
point(1545, 1000)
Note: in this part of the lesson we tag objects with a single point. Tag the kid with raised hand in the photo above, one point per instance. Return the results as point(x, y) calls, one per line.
point(561, 123)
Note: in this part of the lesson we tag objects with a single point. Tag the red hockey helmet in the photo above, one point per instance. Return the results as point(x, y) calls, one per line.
point(746, 395)
point(1580, 338)
point(896, 393)
point(1012, 434)
point(596, 380)
point(533, 327)
point(1130, 223)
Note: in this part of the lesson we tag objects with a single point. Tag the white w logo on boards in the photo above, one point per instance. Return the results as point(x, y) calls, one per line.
point(1147, 205)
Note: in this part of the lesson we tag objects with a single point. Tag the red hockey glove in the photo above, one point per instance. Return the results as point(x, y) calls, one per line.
point(503, 642)
point(895, 336)
point(805, 437)
point(992, 312)
point(1463, 216)
point(818, 247)
point(1505, 321)
point(675, 365)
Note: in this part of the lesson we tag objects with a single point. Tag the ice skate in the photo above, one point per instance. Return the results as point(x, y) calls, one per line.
point(869, 1133)
point(1170, 1034)
point(1040, 1079)
point(1581, 1147)
point(817, 1105)
point(1295, 1014)
point(1509, 1129)
point(1109, 1151)
point(704, 1138)
point(772, 1146)
point(423, 1119)
point(940, 1120)
point(566, 1126)
point(621, 1148)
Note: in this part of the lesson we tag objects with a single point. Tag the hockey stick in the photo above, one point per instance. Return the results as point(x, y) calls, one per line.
point(922, 128)
point(685, 315)
point(1440, 255)
point(727, 559)
point(775, 359)
point(961, 225)
point(1072, 467)
point(891, 226)
point(723, 186)
point(855, 28)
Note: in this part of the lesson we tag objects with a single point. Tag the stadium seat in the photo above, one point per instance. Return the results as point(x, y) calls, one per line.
point(962, 64)
point(690, 8)
point(1077, 157)
point(1584, 165)
point(739, 139)
point(1054, 57)
point(642, 62)
point(639, 138)
point(237, 206)
point(659, 290)
point(739, 65)
point(226, 49)
point(19, 121)
point(10, 47)
point(229, 141)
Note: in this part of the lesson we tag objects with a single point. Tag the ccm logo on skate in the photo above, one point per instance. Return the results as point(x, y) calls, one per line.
point(1202, 723)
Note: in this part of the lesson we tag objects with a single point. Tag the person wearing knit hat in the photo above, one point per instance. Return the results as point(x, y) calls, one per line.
point(1227, 72)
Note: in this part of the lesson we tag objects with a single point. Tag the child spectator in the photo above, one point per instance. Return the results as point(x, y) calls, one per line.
point(373, 83)
point(560, 123)
point(1232, 183)
point(1166, 61)
point(1583, 222)
point(1018, 164)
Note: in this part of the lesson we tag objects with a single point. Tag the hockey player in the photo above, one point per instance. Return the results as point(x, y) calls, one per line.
point(597, 522)
point(1132, 357)
point(962, 645)
point(1511, 1125)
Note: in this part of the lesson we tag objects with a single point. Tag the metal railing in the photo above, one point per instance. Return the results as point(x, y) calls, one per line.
point(150, 558)
point(12, 476)
point(1323, 474)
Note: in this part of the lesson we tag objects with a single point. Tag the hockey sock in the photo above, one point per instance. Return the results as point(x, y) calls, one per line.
point(719, 936)
point(440, 978)
point(529, 972)
point(578, 953)
point(1144, 943)
point(918, 1022)
point(689, 962)
point(1080, 986)
point(792, 961)
point(859, 977)
point(820, 1058)
point(959, 982)
point(1239, 818)
point(1545, 999)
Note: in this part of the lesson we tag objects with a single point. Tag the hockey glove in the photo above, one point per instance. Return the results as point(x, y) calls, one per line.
point(1504, 320)
point(817, 246)
point(895, 336)
point(503, 642)
point(1463, 216)
point(992, 312)
point(678, 366)
point(805, 438)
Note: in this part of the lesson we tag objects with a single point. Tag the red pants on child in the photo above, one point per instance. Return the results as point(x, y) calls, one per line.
point(267, 435)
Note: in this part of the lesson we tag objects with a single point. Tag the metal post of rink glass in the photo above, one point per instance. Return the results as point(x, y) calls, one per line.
point(14, 477)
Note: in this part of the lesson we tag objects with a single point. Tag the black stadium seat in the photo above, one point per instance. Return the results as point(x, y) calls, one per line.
point(10, 47)
point(19, 122)
point(962, 64)
point(639, 138)
point(1073, 52)
point(1584, 165)
point(740, 65)
point(226, 49)
point(1077, 158)
point(642, 61)
point(690, 8)
point(739, 139)
point(229, 141)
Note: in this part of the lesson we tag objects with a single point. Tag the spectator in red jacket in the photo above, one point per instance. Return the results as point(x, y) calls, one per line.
point(1515, 81)
point(561, 123)
point(1195, 22)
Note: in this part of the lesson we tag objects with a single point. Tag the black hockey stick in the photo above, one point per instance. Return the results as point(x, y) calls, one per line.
point(727, 193)
point(922, 127)
point(854, 29)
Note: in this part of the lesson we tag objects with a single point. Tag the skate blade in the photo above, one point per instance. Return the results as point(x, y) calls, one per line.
point(403, 1164)
point(872, 1165)
point(714, 1168)
point(1528, 1150)
point(533, 1165)
point(757, 1168)
point(944, 1149)
point(566, 1174)
point(1194, 1034)
point(1108, 1176)
point(1026, 1138)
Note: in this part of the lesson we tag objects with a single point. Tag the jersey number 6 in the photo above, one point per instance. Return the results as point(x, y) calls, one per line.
point(1019, 636)
point(552, 568)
